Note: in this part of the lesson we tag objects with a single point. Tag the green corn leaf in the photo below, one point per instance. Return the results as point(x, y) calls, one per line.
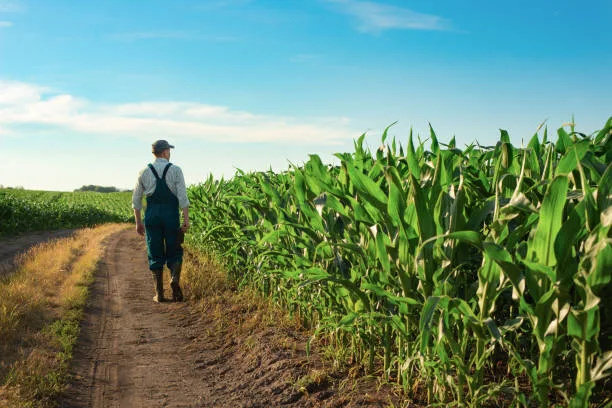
point(604, 133)
point(425, 222)
point(489, 275)
point(359, 151)
point(463, 308)
point(405, 258)
point(385, 294)
point(564, 142)
point(604, 191)
point(360, 213)
point(383, 256)
point(354, 289)
point(348, 320)
point(541, 247)
point(572, 231)
point(334, 204)
point(397, 197)
point(572, 157)
point(435, 146)
point(367, 188)
point(299, 186)
point(599, 256)
point(493, 329)
point(427, 313)
point(583, 324)
point(384, 135)
point(582, 396)
point(354, 249)
point(534, 152)
point(412, 159)
point(511, 270)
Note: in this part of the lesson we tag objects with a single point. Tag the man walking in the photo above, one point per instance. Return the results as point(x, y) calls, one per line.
point(163, 185)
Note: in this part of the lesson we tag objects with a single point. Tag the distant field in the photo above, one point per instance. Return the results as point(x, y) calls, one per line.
point(31, 210)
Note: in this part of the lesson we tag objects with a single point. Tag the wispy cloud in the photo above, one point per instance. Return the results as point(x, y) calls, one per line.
point(10, 6)
point(375, 17)
point(29, 104)
point(6, 24)
point(168, 35)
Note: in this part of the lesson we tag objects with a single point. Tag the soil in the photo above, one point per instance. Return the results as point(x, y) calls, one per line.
point(133, 352)
point(11, 248)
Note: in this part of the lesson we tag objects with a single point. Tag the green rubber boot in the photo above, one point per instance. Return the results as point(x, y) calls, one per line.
point(158, 281)
point(175, 277)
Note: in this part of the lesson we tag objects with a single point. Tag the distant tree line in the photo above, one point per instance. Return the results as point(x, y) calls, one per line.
point(99, 189)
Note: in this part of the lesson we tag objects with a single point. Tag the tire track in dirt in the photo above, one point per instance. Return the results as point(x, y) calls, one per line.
point(132, 351)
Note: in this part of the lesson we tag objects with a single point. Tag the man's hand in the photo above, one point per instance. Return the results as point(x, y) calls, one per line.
point(185, 226)
point(140, 229)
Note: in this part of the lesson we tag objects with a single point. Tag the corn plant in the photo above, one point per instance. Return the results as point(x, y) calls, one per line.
point(471, 277)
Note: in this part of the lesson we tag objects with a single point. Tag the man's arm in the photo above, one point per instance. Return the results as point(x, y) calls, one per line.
point(181, 188)
point(181, 193)
point(186, 224)
point(140, 229)
point(137, 206)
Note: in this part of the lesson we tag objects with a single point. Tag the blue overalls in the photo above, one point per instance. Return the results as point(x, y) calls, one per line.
point(162, 224)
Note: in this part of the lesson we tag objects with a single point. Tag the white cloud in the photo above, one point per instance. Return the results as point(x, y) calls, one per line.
point(376, 17)
point(10, 6)
point(12, 93)
point(28, 104)
point(6, 24)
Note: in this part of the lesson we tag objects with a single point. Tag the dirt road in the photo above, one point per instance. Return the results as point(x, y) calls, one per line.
point(136, 353)
point(133, 352)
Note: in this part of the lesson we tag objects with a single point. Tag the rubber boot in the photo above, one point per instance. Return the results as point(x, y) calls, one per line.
point(158, 280)
point(175, 277)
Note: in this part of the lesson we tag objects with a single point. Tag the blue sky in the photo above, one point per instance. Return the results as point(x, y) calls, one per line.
point(87, 86)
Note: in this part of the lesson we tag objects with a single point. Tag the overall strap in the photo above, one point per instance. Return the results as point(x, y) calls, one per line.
point(154, 172)
point(166, 170)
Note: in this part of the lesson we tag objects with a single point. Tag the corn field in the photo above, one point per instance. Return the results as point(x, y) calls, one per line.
point(31, 210)
point(474, 277)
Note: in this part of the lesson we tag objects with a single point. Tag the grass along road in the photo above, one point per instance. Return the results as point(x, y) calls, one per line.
point(220, 348)
point(12, 247)
point(40, 309)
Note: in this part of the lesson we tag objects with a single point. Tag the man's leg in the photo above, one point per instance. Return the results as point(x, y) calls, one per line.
point(175, 277)
point(158, 281)
point(155, 247)
point(157, 255)
point(174, 257)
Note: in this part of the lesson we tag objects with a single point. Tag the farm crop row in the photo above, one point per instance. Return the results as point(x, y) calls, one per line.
point(475, 276)
point(30, 210)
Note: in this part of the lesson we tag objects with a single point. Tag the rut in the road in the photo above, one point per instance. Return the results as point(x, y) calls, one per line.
point(136, 353)
point(133, 352)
